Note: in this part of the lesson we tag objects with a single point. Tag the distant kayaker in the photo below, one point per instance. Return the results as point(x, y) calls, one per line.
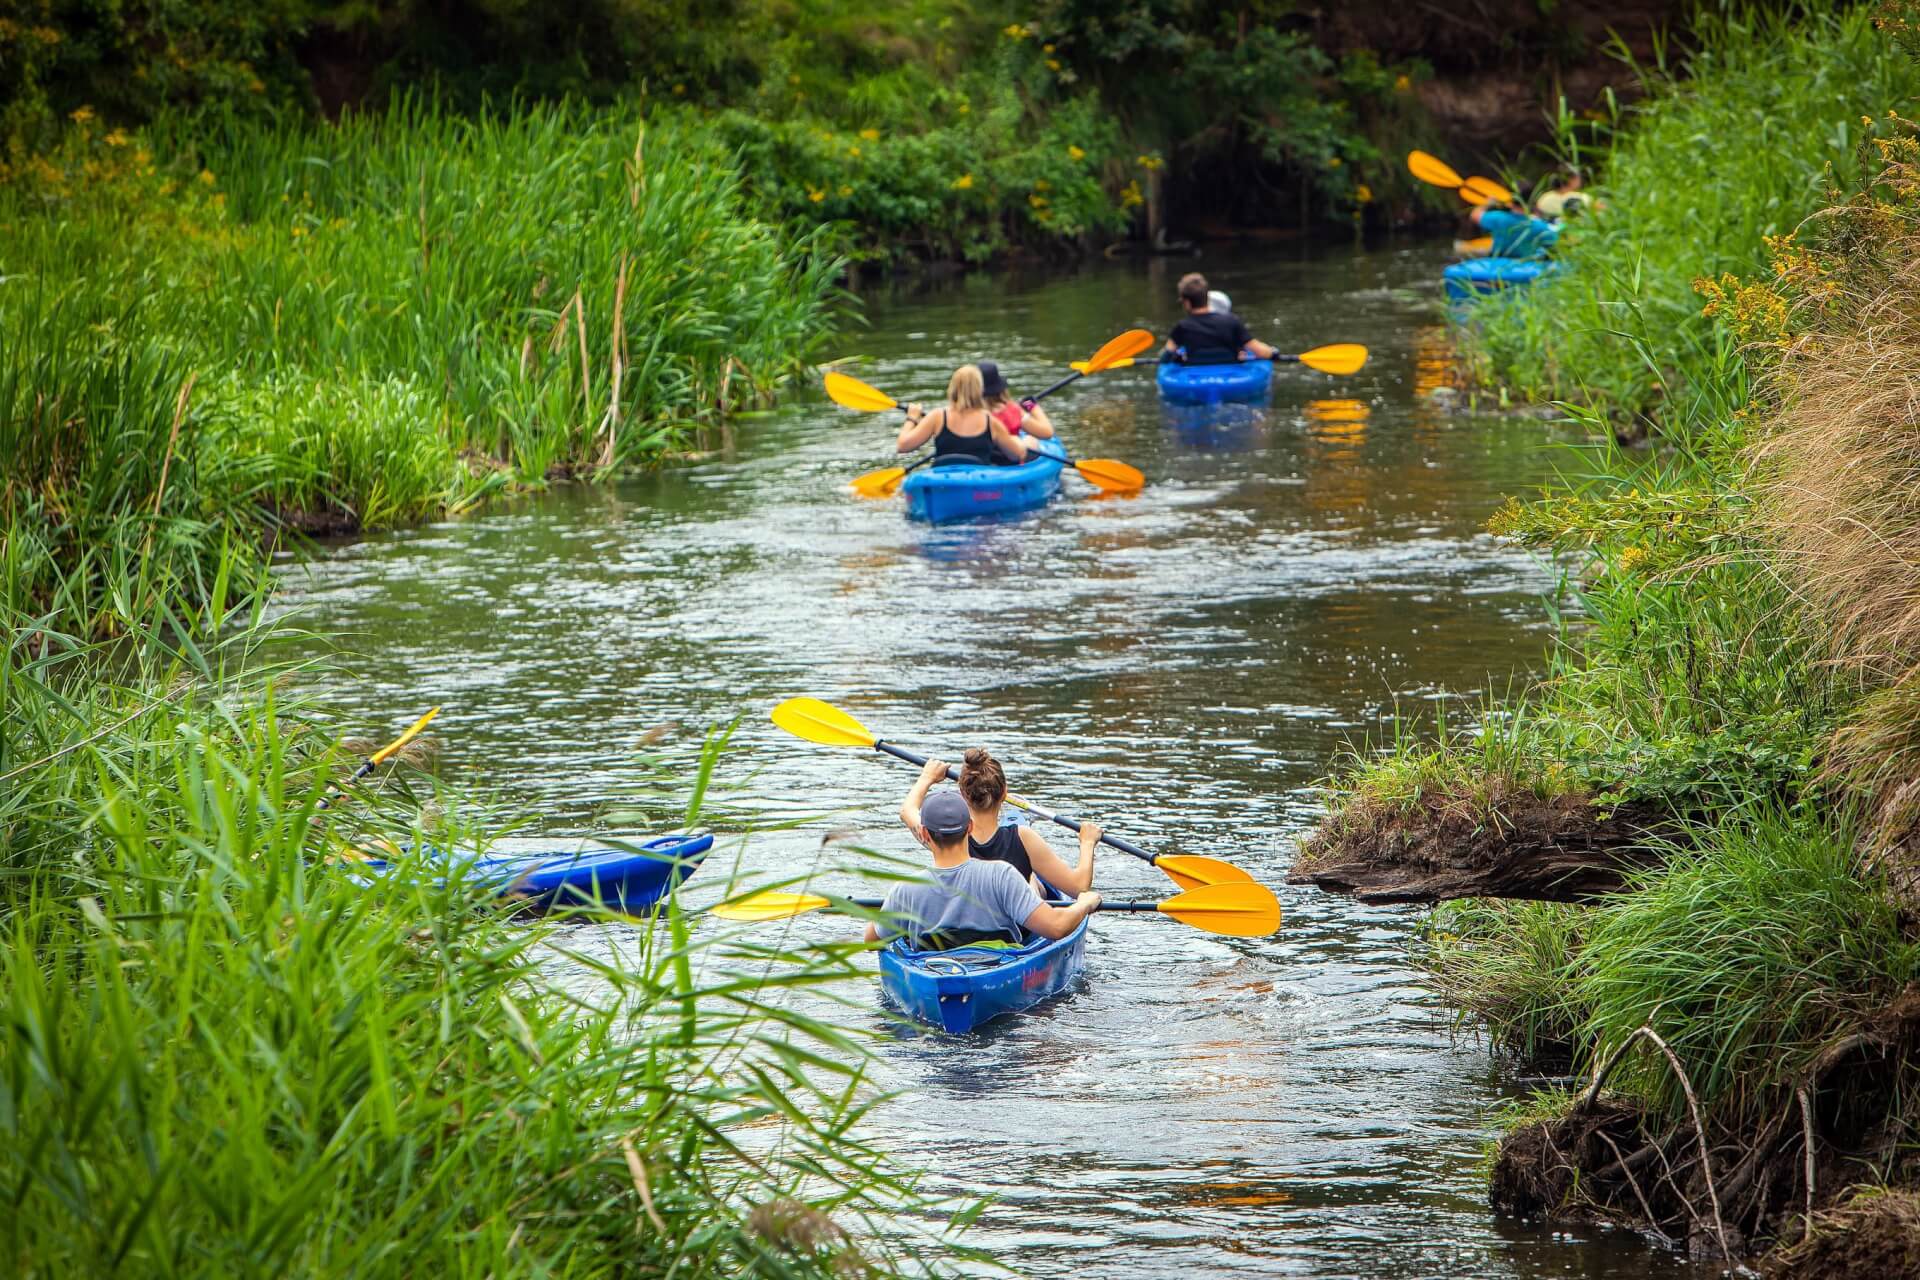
point(961, 427)
point(1015, 415)
point(983, 785)
point(1206, 336)
point(967, 899)
point(1516, 233)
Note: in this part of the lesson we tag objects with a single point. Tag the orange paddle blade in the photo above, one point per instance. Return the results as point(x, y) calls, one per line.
point(1339, 358)
point(1191, 871)
point(1238, 910)
point(855, 394)
point(1431, 168)
point(1479, 244)
point(1488, 189)
point(1086, 366)
point(1111, 475)
point(1125, 347)
point(879, 484)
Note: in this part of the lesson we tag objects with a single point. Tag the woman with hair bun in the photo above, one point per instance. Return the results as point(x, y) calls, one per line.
point(983, 785)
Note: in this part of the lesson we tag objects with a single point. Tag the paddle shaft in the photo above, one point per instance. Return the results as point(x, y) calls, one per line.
point(1072, 824)
point(874, 904)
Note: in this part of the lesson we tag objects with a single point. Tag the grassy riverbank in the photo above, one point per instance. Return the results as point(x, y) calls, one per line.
point(1738, 678)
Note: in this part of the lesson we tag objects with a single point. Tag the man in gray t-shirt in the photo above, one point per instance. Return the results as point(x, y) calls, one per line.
point(967, 899)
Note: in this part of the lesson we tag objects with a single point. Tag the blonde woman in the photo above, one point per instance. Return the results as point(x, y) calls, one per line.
point(962, 427)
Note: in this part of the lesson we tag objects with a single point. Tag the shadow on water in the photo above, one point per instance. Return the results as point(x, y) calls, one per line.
point(1185, 664)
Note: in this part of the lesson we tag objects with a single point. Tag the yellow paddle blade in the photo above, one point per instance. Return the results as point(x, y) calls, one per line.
point(1191, 871)
point(1111, 475)
point(1086, 366)
point(1246, 910)
point(1339, 358)
point(855, 394)
point(1125, 347)
point(817, 721)
point(1487, 189)
point(879, 484)
point(380, 756)
point(1429, 168)
point(770, 906)
point(1479, 244)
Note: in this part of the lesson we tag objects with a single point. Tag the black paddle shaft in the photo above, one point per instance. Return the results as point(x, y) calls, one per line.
point(874, 904)
point(1073, 824)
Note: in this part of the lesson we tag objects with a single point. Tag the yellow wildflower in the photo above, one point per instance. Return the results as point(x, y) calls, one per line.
point(1334, 163)
point(1041, 184)
point(1037, 200)
point(206, 177)
point(1017, 31)
point(219, 199)
point(1150, 162)
point(816, 195)
point(679, 88)
point(81, 115)
point(854, 152)
point(1130, 195)
point(118, 138)
point(793, 78)
point(964, 108)
point(1075, 153)
point(256, 85)
point(1632, 556)
point(299, 231)
point(871, 135)
point(1363, 194)
point(1053, 64)
point(46, 35)
point(962, 183)
point(1402, 84)
point(1046, 48)
point(845, 189)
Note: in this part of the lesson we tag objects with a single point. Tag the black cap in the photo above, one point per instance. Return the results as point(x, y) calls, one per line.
point(945, 815)
point(991, 383)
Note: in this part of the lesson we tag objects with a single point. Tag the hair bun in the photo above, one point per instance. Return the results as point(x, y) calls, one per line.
point(975, 755)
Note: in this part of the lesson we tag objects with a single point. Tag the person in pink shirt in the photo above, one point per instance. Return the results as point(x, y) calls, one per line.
point(1015, 415)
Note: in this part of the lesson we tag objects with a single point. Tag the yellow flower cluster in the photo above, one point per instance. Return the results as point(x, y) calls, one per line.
point(1151, 162)
point(816, 195)
point(1075, 153)
point(1018, 31)
point(1755, 311)
point(1363, 194)
point(1402, 84)
point(962, 183)
point(871, 135)
point(1130, 195)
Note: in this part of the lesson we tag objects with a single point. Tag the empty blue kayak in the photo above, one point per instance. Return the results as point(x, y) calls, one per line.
point(1212, 383)
point(626, 879)
point(967, 987)
point(1483, 276)
point(960, 490)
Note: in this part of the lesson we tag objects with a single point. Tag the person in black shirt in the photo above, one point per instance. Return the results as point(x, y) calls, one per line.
point(1206, 336)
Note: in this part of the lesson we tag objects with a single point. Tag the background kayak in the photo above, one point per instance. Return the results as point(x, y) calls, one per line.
point(968, 987)
point(960, 491)
point(1482, 276)
point(1212, 383)
point(630, 878)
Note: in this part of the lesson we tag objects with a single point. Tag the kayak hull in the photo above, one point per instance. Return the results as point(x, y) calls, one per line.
point(1481, 277)
point(627, 879)
point(961, 990)
point(964, 491)
point(1213, 383)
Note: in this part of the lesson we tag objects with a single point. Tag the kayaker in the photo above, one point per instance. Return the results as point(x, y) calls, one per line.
point(983, 785)
point(1206, 336)
point(1516, 233)
point(961, 427)
point(967, 899)
point(1015, 415)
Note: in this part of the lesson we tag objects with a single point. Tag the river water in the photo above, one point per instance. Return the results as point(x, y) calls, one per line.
point(1183, 664)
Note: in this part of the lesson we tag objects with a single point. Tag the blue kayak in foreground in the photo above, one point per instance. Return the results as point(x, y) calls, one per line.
point(627, 879)
point(1212, 383)
point(959, 990)
point(962, 489)
point(1483, 276)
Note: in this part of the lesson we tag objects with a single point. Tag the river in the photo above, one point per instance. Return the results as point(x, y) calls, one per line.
point(1183, 664)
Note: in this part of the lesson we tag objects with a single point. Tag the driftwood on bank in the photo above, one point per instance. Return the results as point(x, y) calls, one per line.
point(1553, 849)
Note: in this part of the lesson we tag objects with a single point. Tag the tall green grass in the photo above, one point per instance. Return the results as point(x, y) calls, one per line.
point(1765, 115)
point(221, 1055)
point(379, 320)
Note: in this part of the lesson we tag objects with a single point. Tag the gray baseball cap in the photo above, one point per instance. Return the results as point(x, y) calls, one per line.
point(945, 815)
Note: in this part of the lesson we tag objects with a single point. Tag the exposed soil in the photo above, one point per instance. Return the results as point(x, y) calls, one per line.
point(1518, 845)
point(1610, 1162)
point(324, 522)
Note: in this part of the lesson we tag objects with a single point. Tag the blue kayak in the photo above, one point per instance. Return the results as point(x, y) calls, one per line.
point(627, 879)
point(960, 490)
point(964, 988)
point(1212, 383)
point(1483, 276)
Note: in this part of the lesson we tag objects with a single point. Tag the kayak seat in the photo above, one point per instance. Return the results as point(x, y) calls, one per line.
point(953, 939)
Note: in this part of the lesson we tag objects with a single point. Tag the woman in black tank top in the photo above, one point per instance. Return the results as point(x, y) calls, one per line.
point(983, 784)
point(962, 427)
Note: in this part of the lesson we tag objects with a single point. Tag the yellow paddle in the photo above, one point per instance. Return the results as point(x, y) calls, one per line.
point(1339, 358)
point(1238, 910)
point(1476, 190)
point(826, 724)
point(380, 757)
point(1103, 473)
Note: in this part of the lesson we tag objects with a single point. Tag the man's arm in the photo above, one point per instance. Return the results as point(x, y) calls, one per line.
point(932, 772)
point(1058, 922)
